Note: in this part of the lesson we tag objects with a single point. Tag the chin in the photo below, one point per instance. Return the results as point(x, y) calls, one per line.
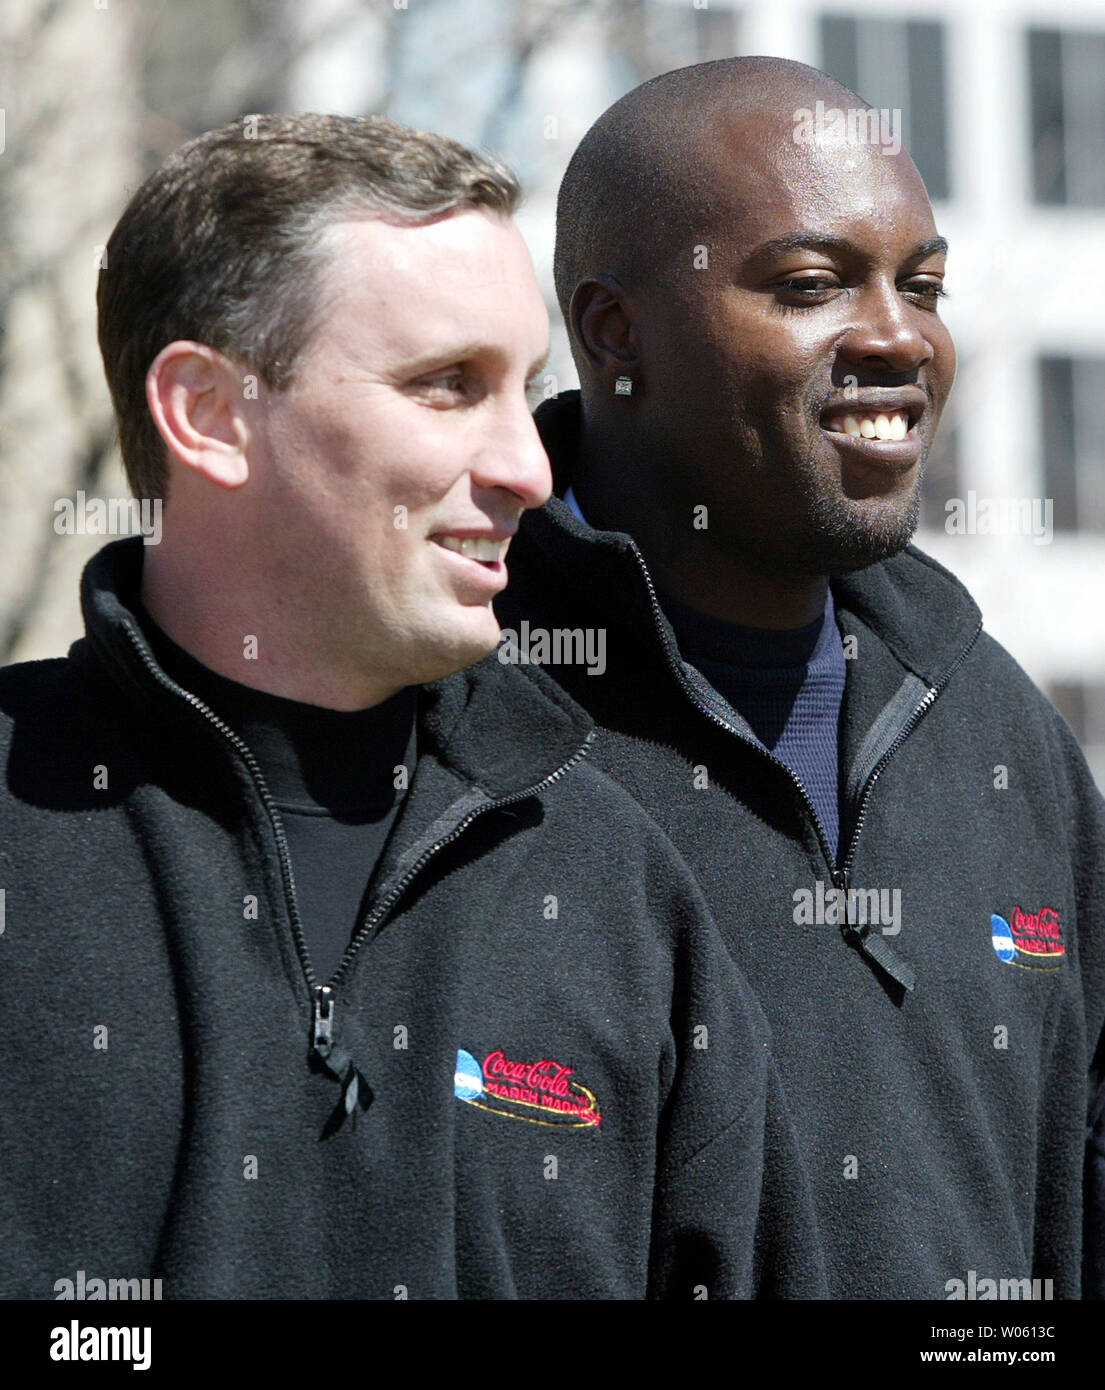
point(462, 644)
point(850, 538)
point(860, 554)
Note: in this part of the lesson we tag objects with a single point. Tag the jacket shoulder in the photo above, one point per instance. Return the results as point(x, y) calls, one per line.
point(612, 830)
point(54, 714)
point(1012, 694)
point(40, 691)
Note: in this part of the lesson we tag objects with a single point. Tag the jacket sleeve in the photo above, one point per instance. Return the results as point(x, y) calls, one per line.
point(1093, 1263)
point(1086, 835)
point(733, 1214)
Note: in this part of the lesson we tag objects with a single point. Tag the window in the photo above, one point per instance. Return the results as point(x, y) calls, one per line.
point(1072, 419)
point(658, 35)
point(941, 476)
point(1068, 117)
point(898, 65)
point(1082, 705)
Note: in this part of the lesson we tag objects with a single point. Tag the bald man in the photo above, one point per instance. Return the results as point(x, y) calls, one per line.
point(896, 831)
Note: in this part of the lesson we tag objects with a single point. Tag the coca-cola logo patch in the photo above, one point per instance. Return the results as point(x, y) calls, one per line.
point(544, 1092)
point(1032, 940)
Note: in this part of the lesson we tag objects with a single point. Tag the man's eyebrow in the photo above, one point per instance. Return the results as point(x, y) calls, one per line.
point(464, 352)
point(830, 245)
point(444, 357)
point(935, 246)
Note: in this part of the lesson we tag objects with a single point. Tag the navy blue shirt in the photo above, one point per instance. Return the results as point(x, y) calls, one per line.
point(788, 684)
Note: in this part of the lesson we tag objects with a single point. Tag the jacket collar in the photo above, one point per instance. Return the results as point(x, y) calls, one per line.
point(500, 728)
point(920, 610)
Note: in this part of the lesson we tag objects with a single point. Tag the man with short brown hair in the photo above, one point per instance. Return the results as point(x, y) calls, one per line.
point(315, 983)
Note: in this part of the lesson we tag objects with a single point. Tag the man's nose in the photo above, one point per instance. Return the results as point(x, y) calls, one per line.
point(513, 457)
point(887, 330)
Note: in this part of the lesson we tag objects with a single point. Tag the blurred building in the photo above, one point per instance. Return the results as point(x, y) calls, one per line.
point(1003, 108)
point(1004, 113)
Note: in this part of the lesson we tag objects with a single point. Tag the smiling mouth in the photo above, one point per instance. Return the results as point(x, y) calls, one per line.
point(484, 549)
point(890, 425)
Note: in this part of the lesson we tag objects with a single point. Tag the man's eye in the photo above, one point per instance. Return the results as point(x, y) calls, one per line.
point(445, 389)
point(930, 290)
point(808, 285)
point(445, 381)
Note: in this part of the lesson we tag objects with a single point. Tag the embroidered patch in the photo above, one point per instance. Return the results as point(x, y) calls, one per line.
point(544, 1092)
point(1031, 940)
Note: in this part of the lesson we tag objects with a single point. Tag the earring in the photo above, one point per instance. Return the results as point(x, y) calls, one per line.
point(623, 386)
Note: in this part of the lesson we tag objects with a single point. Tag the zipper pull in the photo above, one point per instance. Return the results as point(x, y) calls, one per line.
point(356, 1093)
point(842, 882)
point(324, 1020)
point(873, 946)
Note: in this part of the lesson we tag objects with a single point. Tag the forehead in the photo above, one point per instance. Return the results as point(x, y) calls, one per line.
point(764, 183)
point(397, 287)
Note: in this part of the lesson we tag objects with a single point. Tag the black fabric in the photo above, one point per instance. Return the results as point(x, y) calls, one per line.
point(787, 684)
point(166, 1110)
point(1093, 1272)
point(332, 775)
point(944, 1128)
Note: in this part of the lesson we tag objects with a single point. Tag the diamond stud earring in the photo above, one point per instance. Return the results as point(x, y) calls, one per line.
point(623, 386)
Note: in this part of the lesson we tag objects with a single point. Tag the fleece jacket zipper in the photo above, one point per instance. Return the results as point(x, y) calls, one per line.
point(861, 937)
point(323, 1044)
point(324, 994)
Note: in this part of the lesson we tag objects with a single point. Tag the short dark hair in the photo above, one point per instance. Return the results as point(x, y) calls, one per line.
point(221, 245)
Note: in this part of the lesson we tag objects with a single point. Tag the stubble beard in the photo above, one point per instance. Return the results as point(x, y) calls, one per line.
point(847, 535)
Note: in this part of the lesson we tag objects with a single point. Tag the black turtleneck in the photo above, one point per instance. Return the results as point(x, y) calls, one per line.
point(332, 775)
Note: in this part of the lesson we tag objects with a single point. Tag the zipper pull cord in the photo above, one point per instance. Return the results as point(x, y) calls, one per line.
point(870, 943)
point(356, 1092)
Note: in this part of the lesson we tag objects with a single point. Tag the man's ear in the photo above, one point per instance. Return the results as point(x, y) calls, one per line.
point(601, 321)
point(194, 393)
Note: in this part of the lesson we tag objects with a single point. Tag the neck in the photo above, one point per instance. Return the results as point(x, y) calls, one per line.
point(228, 621)
point(685, 562)
point(749, 599)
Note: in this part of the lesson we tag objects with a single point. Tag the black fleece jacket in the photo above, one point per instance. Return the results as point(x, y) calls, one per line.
point(536, 1072)
point(936, 1060)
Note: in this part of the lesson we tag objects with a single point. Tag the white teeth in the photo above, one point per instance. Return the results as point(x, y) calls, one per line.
point(481, 548)
point(889, 425)
point(475, 547)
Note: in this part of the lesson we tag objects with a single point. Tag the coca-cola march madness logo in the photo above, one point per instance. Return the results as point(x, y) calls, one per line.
point(545, 1092)
point(1032, 940)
